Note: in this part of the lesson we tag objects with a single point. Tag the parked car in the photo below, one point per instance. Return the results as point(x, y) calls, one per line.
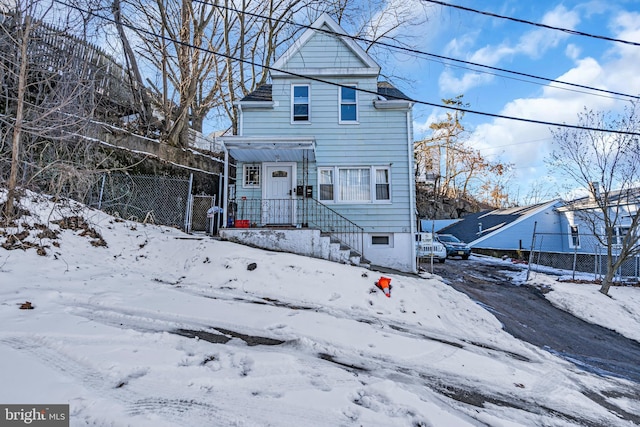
point(427, 247)
point(454, 246)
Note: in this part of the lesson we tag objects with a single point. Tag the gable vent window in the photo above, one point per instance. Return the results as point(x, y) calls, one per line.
point(348, 104)
point(300, 101)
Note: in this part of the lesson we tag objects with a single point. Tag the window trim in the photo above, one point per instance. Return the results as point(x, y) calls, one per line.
point(573, 238)
point(293, 104)
point(373, 199)
point(388, 236)
point(342, 103)
point(254, 184)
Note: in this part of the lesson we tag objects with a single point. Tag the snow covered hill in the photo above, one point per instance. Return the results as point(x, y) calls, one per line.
point(141, 325)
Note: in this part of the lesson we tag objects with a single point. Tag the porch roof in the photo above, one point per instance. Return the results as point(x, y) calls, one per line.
point(270, 149)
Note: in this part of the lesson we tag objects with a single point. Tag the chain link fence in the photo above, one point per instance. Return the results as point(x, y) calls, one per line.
point(158, 200)
point(582, 255)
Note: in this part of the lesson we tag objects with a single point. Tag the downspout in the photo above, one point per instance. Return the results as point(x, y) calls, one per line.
point(225, 212)
point(412, 191)
point(226, 187)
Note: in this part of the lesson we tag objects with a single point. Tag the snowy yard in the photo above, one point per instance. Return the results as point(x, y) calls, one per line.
point(160, 328)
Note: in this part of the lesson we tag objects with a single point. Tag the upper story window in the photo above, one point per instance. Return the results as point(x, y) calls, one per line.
point(300, 103)
point(348, 104)
point(364, 184)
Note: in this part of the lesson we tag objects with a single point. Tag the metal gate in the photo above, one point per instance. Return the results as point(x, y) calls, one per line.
point(200, 220)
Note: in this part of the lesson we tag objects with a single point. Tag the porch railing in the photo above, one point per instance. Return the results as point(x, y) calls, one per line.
point(300, 213)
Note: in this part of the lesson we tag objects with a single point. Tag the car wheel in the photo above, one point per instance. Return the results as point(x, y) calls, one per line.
point(442, 260)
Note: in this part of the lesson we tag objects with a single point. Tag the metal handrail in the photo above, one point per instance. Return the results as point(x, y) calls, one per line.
point(301, 213)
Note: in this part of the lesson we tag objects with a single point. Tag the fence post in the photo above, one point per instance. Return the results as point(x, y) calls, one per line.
point(187, 216)
point(533, 243)
point(104, 177)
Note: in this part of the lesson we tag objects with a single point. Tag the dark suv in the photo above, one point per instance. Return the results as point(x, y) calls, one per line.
point(454, 246)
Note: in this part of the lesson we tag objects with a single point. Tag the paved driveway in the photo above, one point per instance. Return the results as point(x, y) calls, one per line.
point(527, 315)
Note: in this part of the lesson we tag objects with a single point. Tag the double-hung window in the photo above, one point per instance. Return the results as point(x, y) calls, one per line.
point(300, 102)
point(348, 104)
point(362, 184)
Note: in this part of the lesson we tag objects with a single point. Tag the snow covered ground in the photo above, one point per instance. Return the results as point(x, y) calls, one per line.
point(160, 328)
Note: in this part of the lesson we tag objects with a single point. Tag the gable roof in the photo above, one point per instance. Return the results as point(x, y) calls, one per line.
point(470, 231)
point(628, 196)
point(326, 25)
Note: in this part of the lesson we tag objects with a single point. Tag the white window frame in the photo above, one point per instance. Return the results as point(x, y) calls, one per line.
point(293, 104)
point(388, 244)
point(372, 187)
point(342, 103)
point(572, 241)
point(245, 175)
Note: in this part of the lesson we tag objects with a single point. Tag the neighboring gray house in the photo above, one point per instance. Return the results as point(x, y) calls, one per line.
point(563, 235)
point(577, 229)
point(325, 152)
point(508, 230)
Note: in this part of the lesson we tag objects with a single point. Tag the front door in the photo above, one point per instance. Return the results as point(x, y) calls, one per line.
point(277, 200)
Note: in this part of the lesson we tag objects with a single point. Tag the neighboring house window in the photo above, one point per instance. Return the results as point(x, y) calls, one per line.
point(251, 176)
point(300, 103)
point(355, 184)
point(348, 104)
point(620, 233)
point(574, 236)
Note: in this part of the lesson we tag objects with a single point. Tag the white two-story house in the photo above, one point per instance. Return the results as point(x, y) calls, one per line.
point(327, 147)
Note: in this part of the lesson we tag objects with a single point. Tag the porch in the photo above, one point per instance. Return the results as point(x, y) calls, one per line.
point(299, 225)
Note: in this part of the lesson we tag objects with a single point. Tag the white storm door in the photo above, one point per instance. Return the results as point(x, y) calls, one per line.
point(277, 199)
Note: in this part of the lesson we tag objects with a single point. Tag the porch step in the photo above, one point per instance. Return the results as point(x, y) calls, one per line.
point(307, 242)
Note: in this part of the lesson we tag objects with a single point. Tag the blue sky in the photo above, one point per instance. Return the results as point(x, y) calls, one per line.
point(527, 49)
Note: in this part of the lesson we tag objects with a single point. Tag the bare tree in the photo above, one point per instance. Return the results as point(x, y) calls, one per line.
point(462, 170)
point(200, 57)
point(608, 165)
point(47, 93)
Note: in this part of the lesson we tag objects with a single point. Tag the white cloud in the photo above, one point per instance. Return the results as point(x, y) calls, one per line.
point(450, 84)
point(527, 145)
point(532, 44)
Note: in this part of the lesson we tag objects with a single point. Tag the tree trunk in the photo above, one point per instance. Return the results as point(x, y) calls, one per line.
point(17, 127)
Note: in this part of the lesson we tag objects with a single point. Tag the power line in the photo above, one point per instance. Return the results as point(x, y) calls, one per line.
point(432, 55)
point(537, 24)
point(432, 104)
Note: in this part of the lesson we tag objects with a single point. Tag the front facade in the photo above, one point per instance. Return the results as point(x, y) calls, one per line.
point(328, 146)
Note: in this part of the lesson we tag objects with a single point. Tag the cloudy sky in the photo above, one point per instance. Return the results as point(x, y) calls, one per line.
point(529, 49)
